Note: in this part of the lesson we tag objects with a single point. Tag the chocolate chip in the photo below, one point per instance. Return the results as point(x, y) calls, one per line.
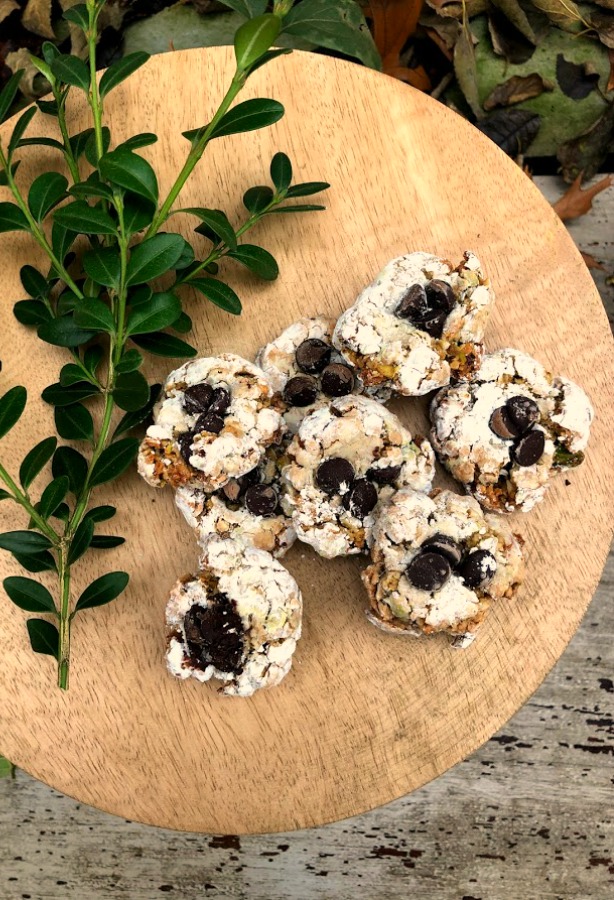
point(209, 422)
point(529, 448)
point(478, 569)
point(441, 543)
point(502, 425)
point(523, 412)
point(251, 477)
point(440, 295)
point(301, 390)
point(361, 498)
point(185, 444)
point(334, 473)
point(214, 635)
point(261, 499)
point(220, 401)
point(196, 399)
point(428, 571)
point(387, 475)
point(313, 355)
point(433, 323)
point(413, 305)
point(337, 380)
point(232, 490)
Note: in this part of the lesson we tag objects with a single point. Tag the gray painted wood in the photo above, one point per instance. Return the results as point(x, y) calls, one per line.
point(529, 815)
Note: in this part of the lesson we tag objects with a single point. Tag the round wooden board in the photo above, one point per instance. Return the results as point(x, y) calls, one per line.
point(363, 717)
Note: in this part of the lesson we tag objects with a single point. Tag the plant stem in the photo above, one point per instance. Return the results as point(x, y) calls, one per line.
point(195, 153)
point(20, 497)
point(71, 162)
point(94, 94)
point(64, 644)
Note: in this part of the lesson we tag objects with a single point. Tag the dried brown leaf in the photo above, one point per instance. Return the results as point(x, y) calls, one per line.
point(416, 77)
point(466, 70)
point(517, 89)
point(453, 9)
point(394, 21)
point(607, 4)
point(20, 59)
point(507, 41)
point(591, 262)
point(577, 202)
point(37, 18)
point(587, 152)
point(603, 23)
point(610, 85)
point(563, 13)
point(7, 7)
point(513, 11)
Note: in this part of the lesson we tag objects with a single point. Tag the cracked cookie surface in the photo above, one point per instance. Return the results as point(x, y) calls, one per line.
point(237, 620)
point(504, 433)
point(345, 462)
point(438, 564)
point(419, 324)
point(214, 422)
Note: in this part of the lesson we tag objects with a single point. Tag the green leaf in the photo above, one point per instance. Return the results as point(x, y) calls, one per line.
point(103, 265)
point(187, 257)
point(12, 404)
point(281, 171)
point(466, 71)
point(162, 344)
point(138, 213)
point(19, 129)
point(101, 513)
point(71, 70)
point(335, 24)
point(62, 512)
point(12, 218)
point(254, 38)
point(91, 147)
point(140, 295)
point(81, 541)
point(132, 172)
point(53, 495)
point(257, 259)
point(102, 590)
point(132, 419)
point(36, 562)
point(40, 142)
point(307, 188)
point(57, 395)
point(43, 68)
point(29, 594)
point(94, 315)
point(131, 391)
point(64, 332)
point(61, 240)
point(80, 217)
point(144, 139)
point(71, 373)
point(3, 175)
point(304, 207)
point(154, 257)
point(34, 282)
point(8, 93)
point(35, 460)
point(257, 198)
point(44, 637)
point(78, 15)
point(46, 191)
point(118, 71)
point(48, 107)
point(218, 223)
point(162, 310)
point(24, 542)
point(78, 142)
point(281, 51)
point(106, 542)
point(248, 116)
point(113, 461)
point(4, 495)
point(68, 461)
point(31, 312)
point(87, 190)
point(219, 293)
point(67, 304)
point(130, 361)
point(182, 324)
point(7, 769)
point(74, 423)
point(247, 8)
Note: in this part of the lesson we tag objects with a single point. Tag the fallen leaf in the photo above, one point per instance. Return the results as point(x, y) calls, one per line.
point(610, 85)
point(513, 130)
point(416, 77)
point(513, 11)
point(607, 4)
point(37, 18)
point(576, 201)
point(576, 81)
point(591, 262)
point(443, 32)
point(454, 10)
point(563, 13)
point(20, 59)
point(394, 21)
point(466, 70)
point(7, 7)
point(517, 89)
point(587, 152)
point(507, 41)
point(603, 24)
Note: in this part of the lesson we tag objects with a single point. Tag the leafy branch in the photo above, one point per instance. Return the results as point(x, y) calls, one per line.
point(99, 304)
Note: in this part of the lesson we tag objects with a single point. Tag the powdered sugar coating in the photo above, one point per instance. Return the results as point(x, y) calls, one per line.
point(405, 524)
point(388, 350)
point(251, 424)
point(369, 436)
point(266, 598)
point(480, 459)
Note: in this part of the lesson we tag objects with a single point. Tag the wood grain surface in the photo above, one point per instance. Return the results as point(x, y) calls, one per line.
point(363, 717)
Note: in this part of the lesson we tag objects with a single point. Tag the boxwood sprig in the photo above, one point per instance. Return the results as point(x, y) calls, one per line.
point(101, 299)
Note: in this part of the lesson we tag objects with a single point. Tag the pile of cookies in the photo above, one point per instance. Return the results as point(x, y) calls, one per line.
point(300, 445)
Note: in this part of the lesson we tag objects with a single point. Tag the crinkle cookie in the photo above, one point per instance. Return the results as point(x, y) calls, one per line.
point(237, 620)
point(438, 564)
point(246, 508)
point(345, 462)
point(213, 423)
point(419, 324)
point(504, 433)
point(305, 370)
